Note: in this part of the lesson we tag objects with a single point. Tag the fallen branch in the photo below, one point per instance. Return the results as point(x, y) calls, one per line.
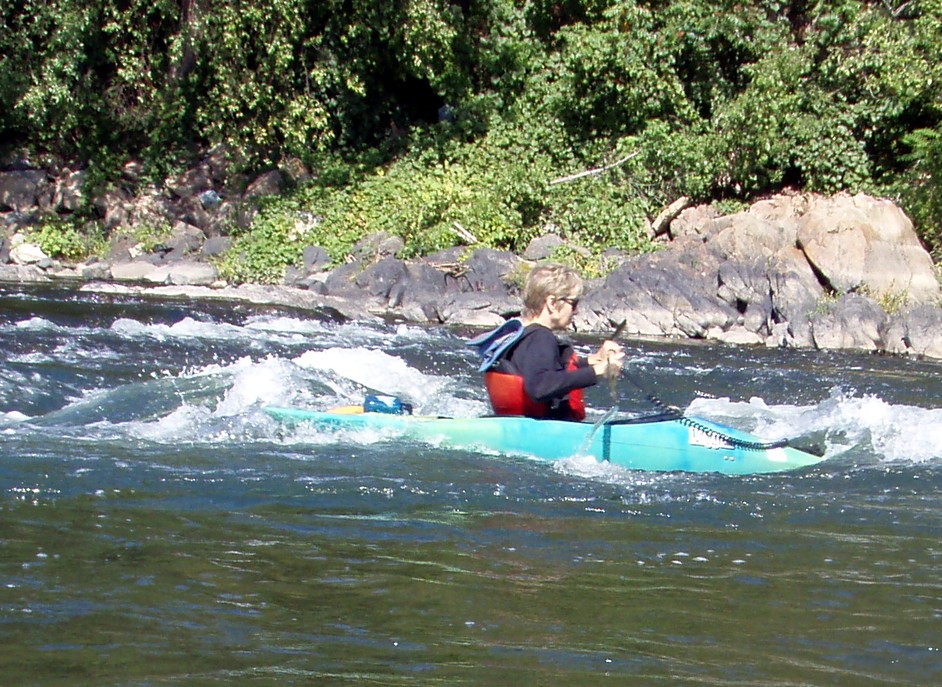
point(897, 11)
point(662, 223)
point(464, 233)
point(592, 172)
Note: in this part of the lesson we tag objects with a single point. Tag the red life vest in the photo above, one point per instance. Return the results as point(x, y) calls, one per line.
point(508, 397)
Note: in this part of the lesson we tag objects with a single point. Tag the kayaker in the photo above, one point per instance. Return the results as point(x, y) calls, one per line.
point(527, 370)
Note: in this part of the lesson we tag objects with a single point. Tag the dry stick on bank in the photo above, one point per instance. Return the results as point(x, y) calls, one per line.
point(464, 233)
point(592, 172)
point(662, 223)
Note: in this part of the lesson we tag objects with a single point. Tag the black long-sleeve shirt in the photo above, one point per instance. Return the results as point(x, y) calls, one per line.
point(542, 362)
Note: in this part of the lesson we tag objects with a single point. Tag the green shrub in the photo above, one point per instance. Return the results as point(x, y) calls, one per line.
point(62, 240)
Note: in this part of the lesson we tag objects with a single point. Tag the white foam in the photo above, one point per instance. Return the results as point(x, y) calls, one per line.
point(187, 328)
point(12, 417)
point(269, 382)
point(891, 432)
point(375, 370)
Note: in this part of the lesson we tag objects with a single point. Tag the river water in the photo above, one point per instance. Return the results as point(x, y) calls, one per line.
point(157, 528)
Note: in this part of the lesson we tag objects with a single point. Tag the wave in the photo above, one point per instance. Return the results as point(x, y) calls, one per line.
point(295, 361)
point(863, 427)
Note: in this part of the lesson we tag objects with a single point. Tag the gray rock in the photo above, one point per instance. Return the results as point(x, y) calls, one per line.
point(313, 284)
point(916, 331)
point(185, 239)
point(341, 280)
point(209, 199)
point(20, 190)
point(315, 259)
point(268, 184)
point(859, 242)
point(137, 270)
point(379, 278)
point(23, 252)
point(190, 274)
point(542, 247)
point(95, 271)
point(487, 269)
point(27, 274)
point(376, 246)
point(420, 291)
point(796, 293)
point(293, 275)
point(745, 286)
point(216, 246)
point(114, 208)
point(663, 294)
point(69, 192)
point(478, 308)
point(852, 322)
point(190, 182)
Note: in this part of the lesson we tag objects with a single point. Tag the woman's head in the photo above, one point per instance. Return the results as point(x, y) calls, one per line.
point(550, 280)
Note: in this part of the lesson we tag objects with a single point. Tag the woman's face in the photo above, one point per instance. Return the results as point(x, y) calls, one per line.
point(562, 309)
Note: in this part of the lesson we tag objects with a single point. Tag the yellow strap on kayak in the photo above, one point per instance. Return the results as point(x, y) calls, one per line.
point(347, 410)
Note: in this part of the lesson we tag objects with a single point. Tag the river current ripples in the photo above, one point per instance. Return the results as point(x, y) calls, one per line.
point(157, 528)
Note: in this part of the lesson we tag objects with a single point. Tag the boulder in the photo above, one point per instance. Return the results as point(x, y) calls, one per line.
point(379, 278)
point(860, 243)
point(693, 223)
point(852, 322)
point(796, 293)
point(748, 235)
point(94, 271)
point(315, 259)
point(68, 192)
point(26, 274)
point(377, 246)
point(185, 239)
point(186, 273)
point(23, 252)
point(916, 331)
point(114, 207)
point(543, 247)
point(423, 286)
point(216, 246)
point(662, 294)
point(21, 190)
point(191, 182)
point(744, 285)
point(486, 269)
point(137, 270)
point(268, 184)
point(478, 308)
point(342, 279)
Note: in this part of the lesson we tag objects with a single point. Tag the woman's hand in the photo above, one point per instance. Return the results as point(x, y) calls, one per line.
point(608, 360)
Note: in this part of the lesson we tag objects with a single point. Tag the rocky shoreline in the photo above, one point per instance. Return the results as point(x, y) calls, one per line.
point(796, 270)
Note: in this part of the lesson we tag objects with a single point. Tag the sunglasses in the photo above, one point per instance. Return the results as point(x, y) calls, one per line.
point(573, 302)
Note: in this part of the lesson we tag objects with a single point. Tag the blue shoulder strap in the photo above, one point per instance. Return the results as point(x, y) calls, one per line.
point(490, 345)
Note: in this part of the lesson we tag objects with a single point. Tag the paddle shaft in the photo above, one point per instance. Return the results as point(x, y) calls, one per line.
point(612, 385)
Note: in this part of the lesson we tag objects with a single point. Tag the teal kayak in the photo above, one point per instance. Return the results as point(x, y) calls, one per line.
point(664, 443)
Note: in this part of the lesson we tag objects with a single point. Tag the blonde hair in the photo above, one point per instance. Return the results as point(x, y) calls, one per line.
point(549, 280)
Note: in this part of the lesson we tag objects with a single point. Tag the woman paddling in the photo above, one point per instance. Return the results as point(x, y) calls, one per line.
point(527, 370)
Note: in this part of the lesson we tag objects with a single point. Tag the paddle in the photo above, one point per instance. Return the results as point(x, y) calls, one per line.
point(675, 413)
point(612, 385)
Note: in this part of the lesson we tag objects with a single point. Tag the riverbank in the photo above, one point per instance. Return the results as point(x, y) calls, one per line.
point(799, 270)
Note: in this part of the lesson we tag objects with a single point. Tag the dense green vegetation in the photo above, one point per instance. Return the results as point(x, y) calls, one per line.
point(431, 119)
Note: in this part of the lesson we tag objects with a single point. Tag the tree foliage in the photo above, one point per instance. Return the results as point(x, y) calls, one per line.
point(462, 113)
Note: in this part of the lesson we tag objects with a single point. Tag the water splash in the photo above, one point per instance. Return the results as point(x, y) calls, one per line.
point(866, 424)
